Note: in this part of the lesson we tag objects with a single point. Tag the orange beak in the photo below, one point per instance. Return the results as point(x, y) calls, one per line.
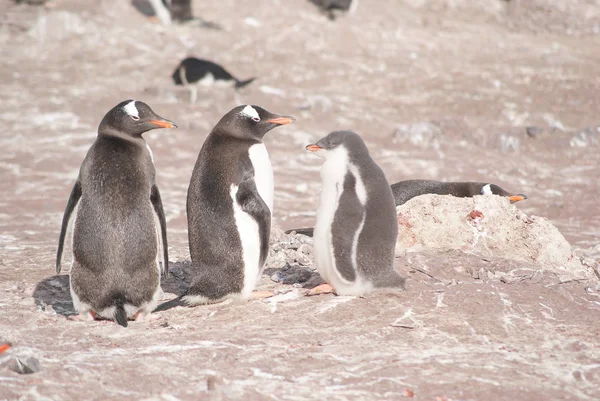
point(281, 120)
point(313, 148)
point(517, 198)
point(163, 123)
point(4, 347)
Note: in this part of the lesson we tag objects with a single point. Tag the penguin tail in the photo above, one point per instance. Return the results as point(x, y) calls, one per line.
point(170, 304)
point(121, 315)
point(308, 231)
point(240, 84)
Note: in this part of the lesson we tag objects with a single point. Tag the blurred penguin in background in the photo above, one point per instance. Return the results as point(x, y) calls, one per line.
point(335, 7)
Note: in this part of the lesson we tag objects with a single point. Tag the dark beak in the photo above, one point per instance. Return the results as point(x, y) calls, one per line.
point(313, 147)
point(282, 120)
point(163, 123)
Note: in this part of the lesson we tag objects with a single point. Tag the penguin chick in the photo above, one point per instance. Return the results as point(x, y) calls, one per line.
point(229, 207)
point(356, 228)
point(119, 224)
point(193, 72)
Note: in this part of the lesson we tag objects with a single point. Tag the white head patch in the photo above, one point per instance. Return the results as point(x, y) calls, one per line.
point(250, 112)
point(131, 109)
point(486, 190)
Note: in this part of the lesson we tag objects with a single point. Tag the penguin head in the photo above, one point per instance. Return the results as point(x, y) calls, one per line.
point(251, 122)
point(133, 118)
point(339, 141)
point(493, 189)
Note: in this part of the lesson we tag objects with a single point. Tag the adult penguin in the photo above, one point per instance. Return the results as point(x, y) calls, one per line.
point(119, 224)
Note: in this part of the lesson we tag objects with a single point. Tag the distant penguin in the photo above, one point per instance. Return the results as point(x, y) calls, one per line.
point(406, 190)
point(193, 72)
point(331, 7)
point(119, 224)
point(356, 229)
point(229, 207)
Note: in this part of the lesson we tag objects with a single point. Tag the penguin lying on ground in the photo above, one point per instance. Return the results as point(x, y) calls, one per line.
point(405, 190)
point(330, 7)
point(229, 207)
point(193, 72)
point(356, 229)
point(116, 238)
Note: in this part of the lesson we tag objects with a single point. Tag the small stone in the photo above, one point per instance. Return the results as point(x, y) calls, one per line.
point(26, 365)
point(533, 131)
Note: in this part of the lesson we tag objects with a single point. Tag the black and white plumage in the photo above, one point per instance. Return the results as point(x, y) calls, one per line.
point(356, 229)
point(229, 207)
point(404, 191)
point(193, 72)
point(119, 227)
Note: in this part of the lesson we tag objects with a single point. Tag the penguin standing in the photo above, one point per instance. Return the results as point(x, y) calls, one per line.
point(229, 206)
point(119, 223)
point(193, 72)
point(406, 190)
point(356, 229)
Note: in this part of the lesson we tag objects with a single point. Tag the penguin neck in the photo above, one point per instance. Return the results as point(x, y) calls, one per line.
point(230, 135)
point(336, 164)
point(108, 132)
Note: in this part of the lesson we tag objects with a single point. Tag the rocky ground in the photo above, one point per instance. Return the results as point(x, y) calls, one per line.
point(500, 91)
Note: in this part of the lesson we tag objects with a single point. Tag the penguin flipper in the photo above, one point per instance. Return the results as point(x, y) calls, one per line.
point(251, 202)
point(158, 209)
point(71, 204)
point(348, 223)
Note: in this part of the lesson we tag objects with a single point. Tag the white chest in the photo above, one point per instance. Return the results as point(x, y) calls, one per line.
point(151, 154)
point(333, 174)
point(263, 173)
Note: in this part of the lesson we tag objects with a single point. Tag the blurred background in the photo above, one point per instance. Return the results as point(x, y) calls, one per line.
point(506, 92)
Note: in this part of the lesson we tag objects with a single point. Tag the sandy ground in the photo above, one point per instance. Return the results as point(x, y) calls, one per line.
point(464, 79)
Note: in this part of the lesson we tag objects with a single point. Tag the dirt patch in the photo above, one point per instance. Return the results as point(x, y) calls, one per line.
point(506, 92)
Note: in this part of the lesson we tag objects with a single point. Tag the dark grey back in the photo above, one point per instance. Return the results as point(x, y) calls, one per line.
point(114, 237)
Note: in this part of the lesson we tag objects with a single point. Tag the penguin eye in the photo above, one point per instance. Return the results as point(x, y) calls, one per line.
point(135, 118)
point(256, 119)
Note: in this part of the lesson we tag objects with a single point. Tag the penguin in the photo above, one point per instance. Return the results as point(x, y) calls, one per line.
point(406, 190)
point(330, 7)
point(193, 72)
point(229, 207)
point(119, 224)
point(356, 229)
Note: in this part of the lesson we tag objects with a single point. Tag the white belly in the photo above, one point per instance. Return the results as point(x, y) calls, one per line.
point(333, 173)
point(250, 240)
point(263, 173)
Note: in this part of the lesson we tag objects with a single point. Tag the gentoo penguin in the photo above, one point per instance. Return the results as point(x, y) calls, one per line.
point(356, 229)
point(229, 206)
point(330, 7)
point(119, 224)
point(405, 190)
point(193, 72)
